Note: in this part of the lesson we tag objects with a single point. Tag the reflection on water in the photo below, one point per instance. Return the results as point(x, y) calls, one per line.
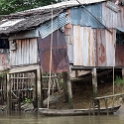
point(28, 118)
point(33, 118)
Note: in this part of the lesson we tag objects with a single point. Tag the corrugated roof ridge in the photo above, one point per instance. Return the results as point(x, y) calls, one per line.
point(55, 6)
point(66, 4)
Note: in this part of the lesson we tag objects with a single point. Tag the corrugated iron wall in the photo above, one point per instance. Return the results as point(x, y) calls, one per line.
point(91, 47)
point(112, 19)
point(119, 55)
point(83, 46)
point(60, 61)
point(4, 59)
point(79, 16)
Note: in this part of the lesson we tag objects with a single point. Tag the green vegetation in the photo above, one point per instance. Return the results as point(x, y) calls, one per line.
point(119, 81)
point(12, 6)
point(119, 84)
point(27, 100)
point(3, 75)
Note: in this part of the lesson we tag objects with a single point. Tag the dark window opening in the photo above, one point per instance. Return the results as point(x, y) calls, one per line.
point(4, 44)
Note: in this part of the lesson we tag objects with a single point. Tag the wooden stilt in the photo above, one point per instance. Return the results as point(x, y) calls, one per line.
point(94, 83)
point(35, 101)
point(8, 95)
point(39, 89)
point(68, 88)
point(19, 102)
point(65, 86)
point(106, 105)
point(122, 73)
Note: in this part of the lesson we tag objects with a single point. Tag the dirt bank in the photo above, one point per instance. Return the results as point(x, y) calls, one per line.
point(83, 94)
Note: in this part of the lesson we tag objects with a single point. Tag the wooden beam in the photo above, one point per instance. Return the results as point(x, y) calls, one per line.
point(109, 96)
point(87, 77)
point(23, 69)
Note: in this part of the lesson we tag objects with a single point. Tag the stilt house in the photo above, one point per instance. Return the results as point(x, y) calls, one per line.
point(91, 30)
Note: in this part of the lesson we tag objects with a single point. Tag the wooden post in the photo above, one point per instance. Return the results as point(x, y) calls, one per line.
point(98, 107)
point(122, 73)
point(65, 86)
point(39, 89)
point(67, 82)
point(8, 95)
point(19, 102)
point(35, 102)
point(106, 105)
point(94, 83)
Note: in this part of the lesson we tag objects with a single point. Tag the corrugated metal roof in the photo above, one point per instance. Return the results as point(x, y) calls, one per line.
point(64, 4)
point(10, 23)
point(46, 29)
point(36, 17)
point(21, 24)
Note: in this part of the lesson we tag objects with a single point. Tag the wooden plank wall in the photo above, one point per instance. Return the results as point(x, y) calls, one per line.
point(26, 52)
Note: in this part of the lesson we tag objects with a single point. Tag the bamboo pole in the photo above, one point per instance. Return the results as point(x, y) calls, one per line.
point(8, 95)
point(39, 88)
point(50, 62)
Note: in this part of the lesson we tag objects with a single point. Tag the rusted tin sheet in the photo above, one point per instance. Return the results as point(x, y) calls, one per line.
point(110, 48)
point(119, 55)
point(112, 19)
point(69, 41)
point(93, 47)
point(100, 47)
point(83, 46)
point(4, 60)
point(79, 16)
point(60, 62)
point(69, 48)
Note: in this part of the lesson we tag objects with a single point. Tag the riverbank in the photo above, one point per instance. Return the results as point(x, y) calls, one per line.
point(83, 95)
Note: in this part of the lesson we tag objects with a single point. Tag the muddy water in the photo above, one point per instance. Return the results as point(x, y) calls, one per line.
point(30, 118)
point(34, 119)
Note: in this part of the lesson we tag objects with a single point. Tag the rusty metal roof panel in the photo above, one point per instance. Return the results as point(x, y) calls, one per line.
point(49, 27)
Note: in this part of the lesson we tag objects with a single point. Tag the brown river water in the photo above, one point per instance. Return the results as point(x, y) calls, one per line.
point(34, 118)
